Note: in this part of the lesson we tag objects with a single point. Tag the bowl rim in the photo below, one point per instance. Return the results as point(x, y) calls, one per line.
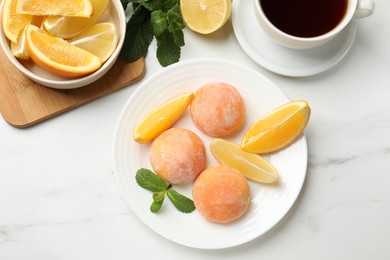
point(69, 83)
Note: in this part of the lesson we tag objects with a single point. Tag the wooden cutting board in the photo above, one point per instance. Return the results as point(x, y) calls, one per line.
point(24, 102)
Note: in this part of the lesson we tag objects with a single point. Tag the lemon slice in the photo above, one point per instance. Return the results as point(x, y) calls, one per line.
point(59, 56)
point(253, 166)
point(161, 118)
point(68, 27)
point(101, 40)
point(81, 8)
point(205, 16)
point(13, 22)
point(278, 128)
point(19, 49)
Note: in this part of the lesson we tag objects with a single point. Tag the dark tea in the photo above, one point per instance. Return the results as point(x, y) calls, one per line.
point(304, 18)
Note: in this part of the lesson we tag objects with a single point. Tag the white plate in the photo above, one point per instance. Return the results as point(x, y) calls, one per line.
point(282, 60)
point(269, 203)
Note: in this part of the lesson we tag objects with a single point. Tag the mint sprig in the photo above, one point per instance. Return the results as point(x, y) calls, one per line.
point(160, 19)
point(152, 182)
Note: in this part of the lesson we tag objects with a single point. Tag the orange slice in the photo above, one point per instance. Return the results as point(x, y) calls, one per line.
point(205, 16)
point(161, 118)
point(13, 22)
point(59, 56)
point(253, 166)
point(68, 27)
point(79, 8)
point(278, 128)
point(101, 40)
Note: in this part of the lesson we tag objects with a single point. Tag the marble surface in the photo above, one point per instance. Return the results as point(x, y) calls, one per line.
point(59, 198)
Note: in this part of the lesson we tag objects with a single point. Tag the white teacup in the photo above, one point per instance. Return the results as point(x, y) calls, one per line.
point(355, 9)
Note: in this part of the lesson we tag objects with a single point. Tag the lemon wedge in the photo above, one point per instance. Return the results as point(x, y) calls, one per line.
point(101, 40)
point(69, 27)
point(253, 166)
point(161, 118)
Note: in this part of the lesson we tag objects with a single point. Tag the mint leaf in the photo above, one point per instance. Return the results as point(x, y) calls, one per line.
point(167, 50)
point(156, 206)
point(164, 5)
point(181, 202)
point(154, 18)
point(150, 181)
point(178, 38)
point(175, 19)
point(158, 199)
point(139, 35)
point(176, 24)
point(159, 196)
point(159, 22)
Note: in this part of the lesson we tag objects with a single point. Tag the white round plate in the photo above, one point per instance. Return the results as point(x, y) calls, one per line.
point(281, 60)
point(269, 203)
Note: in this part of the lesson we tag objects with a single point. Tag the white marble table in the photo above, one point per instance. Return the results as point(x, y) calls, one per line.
point(59, 198)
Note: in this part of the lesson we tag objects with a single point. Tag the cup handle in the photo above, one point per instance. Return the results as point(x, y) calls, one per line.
point(364, 8)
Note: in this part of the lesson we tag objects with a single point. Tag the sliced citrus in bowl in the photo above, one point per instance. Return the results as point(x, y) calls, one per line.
point(79, 8)
point(253, 166)
point(278, 128)
point(101, 40)
point(68, 27)
point(205, 16)
point(13, 22)
point(59, 56)
point(161, 118)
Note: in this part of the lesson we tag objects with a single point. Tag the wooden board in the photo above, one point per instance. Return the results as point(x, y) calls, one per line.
point(24, 102)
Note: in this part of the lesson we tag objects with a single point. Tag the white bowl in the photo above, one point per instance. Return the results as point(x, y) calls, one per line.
point(114, 13)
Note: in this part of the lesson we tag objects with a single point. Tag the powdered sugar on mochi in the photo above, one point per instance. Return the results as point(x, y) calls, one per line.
point(217, 109)
point(178, 156)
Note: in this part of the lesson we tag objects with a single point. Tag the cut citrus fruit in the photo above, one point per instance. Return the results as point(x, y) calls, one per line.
point(205, 16)
point(68, 27)
point(101, 40)
point(59, 56)
point(278, 128)
point(79, 8)
point(253, 166)
point(161, 118)
point(13, 22)
point(19, 49)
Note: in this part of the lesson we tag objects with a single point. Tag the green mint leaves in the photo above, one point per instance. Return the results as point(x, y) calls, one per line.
point(181, 202)
point(139, 35)
point(150, 181)
point(154, 18)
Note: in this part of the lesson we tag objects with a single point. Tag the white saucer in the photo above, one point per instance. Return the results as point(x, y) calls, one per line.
point(282, 60)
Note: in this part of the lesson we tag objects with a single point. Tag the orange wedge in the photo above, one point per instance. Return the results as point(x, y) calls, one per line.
point(68, 27)
point(101, 40)
point(253, 166)
point(278, 128)
point(79, 8)
point(59, 56)
point(205, 16)
point(161, 118)
point(13, 22)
